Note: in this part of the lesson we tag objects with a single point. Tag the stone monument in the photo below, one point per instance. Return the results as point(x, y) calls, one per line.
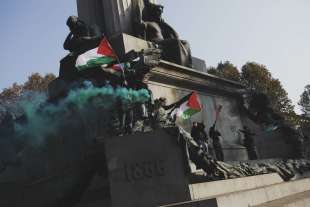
point(118, 19)
point(87, 165)
point(112, 16)
point(149, 172)
point(139, 18)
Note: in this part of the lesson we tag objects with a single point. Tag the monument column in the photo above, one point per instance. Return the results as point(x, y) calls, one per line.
point(112, 16)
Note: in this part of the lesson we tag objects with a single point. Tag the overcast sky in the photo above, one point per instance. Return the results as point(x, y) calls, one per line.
point(271, 32)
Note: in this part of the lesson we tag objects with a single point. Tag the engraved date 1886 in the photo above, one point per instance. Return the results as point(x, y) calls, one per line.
point(144, 170)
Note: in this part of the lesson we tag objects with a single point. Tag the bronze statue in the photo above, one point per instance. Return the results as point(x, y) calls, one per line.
point(218, 170)
point(150, 26)
point(81, 37)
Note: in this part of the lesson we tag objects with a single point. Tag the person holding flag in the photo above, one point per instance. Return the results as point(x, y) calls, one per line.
point(184, 109)
point(217, 146)
point(215, 136)
point(103, 57)
point(200, 136)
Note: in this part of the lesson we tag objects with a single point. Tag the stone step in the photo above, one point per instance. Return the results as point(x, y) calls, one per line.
point(282, 194)
point(296, 200)
point(263, 195)
point(198, 203)
point(212, 189)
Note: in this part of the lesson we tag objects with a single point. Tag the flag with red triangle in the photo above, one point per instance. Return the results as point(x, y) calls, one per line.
point(189, 106)
point(101, 55)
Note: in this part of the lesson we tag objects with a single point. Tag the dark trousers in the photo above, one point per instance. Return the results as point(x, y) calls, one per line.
point(218, 151)
point(252, 153)
point(126, 121)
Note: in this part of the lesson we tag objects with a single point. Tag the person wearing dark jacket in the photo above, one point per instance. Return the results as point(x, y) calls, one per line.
point(200, 136)
point(215, 136)
point(249, 143)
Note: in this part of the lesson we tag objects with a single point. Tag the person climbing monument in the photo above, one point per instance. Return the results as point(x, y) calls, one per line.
point(249, 143)
point(217, 146)
point(200, 136)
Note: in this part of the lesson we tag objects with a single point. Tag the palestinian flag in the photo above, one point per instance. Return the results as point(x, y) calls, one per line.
point(188, 106)
point(121, 67)
point(101, 55)
point(117, 69)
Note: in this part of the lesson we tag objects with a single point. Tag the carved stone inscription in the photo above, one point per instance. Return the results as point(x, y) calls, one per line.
point(144, 170)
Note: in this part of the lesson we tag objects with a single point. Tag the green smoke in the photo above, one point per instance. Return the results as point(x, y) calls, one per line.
point(45, 119)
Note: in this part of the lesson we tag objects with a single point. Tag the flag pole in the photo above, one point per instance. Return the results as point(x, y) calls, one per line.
point(217, 113)
point(117, 59)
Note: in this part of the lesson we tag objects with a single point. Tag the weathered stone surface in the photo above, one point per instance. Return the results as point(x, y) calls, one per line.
point(211, 189)
point(289, 194)
point(297, 200)
point(259, 196)
point(174, 82)
point(146, 170)
point(233, 152)
point(199, 64)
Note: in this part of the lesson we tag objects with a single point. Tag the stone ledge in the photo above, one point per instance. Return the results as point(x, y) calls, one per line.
point(297, 200)
point(212, 189)
point(180, 76)
point(290, 194)
point(199, 73)
point(259, 196)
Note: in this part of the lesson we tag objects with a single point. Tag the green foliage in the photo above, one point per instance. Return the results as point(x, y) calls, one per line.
point(304, 101)
point(257, 78)
point(225, 70)
point(12, 92)
point(35, 82)
point(213, 71)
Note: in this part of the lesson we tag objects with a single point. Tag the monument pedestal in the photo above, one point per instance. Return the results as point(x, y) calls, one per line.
point(174, 81)
point(145, 170)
